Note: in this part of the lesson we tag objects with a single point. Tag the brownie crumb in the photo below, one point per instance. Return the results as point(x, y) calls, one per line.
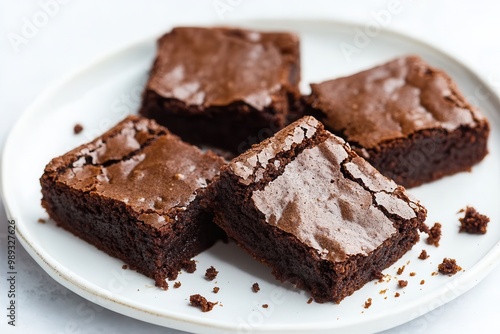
point(368, 303)
point(402, 283)
point(383, 291)
point(255, 287)
point(201, 302)
point(397, 294)
point(473, 222)
point(162, 284)
point(211, 273)
point(124, 267)
point(189, 266)
point(216, 289)
point(265, 306)
point(434, 235)
point(449, 267)
point(423, 255)
point(77, 128)
point(310, 300)
point(422, 282)
point(41, 221)
point(400, 270)
point(378, 275)
point(434, 273)
point(177, 285)
point(413, 273)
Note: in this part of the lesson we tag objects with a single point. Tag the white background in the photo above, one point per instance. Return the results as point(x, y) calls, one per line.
point(79, 32)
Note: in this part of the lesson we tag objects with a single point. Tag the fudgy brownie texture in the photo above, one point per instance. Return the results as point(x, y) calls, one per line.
point(134, 192)
point(224, 87)
point(473, 222)
point(319, 215)
point(406, 118)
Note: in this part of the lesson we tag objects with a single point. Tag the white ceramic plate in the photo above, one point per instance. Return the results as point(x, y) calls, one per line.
point(102, 94)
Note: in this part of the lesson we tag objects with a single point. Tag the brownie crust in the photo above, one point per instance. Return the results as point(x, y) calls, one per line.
point(134, 193)
point(322, 218)
point(225, 87)
point(408, 119)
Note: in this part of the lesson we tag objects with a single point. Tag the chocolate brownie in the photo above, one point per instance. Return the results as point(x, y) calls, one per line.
point(319, 215)
point(473, 222)
point(406, 118)
point(223, 86)
point(134, 192)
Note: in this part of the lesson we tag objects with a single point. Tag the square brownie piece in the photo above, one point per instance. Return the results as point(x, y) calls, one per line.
point(225, 87)
point(406, 118)
point(319, 215)
point(134, 193)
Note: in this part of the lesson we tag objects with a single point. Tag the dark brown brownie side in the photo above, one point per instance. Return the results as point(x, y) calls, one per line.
point(98, 192)
point(238, 101)
point(326, 278)
point(407, 119)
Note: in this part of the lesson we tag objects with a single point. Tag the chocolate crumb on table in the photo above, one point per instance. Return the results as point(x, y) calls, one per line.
point(434, 235)
point(255, 287)
point(41, 221)
point(215, 289)
point(189, 266)
point(400, 270)
point(368, 303)
point(473, 222)
point(77, 128)
point(402, 283)
point(449, 267)
point(310, 300)
point(177, 285)
point(423, 255)
point(211, 273)
point(201, 302)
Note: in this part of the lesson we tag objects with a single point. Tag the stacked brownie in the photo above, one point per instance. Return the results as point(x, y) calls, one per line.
point(303, 201)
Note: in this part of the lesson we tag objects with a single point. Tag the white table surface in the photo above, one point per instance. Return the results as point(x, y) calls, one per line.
point(78, 32)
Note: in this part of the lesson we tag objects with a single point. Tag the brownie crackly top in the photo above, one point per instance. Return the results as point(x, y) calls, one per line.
point(136, 158)
point(328, 197)
point(220, 66)
point(392, 101)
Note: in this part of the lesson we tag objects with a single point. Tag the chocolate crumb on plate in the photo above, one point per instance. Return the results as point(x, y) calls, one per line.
point(449, 267)
point(422, 282)
point(397, 294)
point(368, 303)
point(189, 266)
point(310, 300)
point(402, 283)
point(41, 221)
point(423, 255)
point(434, 235)
point(413, 273)
point(400, 270)
point(383, 291)
point(211, 273)
point(201, 302)
point(125, 267)
point(473, 222)
point(215, 289)
point(177, 285)
point(265, 306)
point(255, 287)
point(77, 128)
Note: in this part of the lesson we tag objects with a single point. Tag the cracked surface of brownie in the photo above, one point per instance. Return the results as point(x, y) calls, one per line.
point(134, 192)
point(318, 214)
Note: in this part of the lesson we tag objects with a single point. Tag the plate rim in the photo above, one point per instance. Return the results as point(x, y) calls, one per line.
point(96, 294)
